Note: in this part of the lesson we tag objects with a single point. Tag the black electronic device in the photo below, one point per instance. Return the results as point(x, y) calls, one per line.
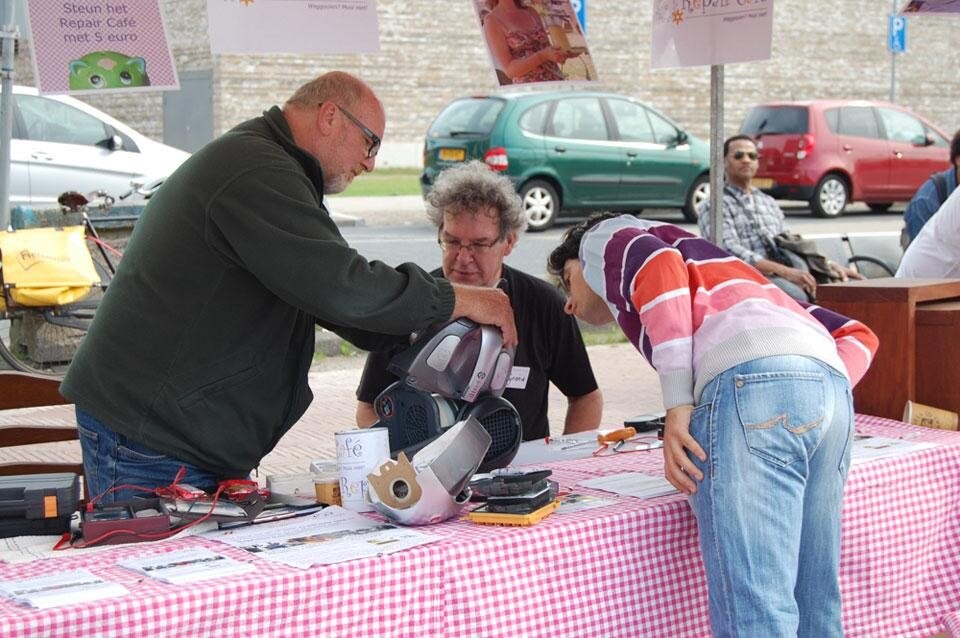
point(38, 504)
point(139, 519)
point(646, 422)
point(508, 482)
point(523, 503)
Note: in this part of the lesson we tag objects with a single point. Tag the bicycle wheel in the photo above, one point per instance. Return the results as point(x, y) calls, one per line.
point(30, 342)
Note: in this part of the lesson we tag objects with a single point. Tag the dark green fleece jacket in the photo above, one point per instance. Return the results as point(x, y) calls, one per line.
point(201, 347)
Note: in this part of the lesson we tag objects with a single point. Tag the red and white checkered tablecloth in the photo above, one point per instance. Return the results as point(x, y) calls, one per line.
point(629, 569)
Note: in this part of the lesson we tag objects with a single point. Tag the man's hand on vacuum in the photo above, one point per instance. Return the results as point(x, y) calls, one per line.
point(486, 305)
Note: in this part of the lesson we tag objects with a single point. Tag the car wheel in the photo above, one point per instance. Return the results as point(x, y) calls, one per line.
point(540, 204)
point(699, 192)
point(830, 197)
point(880, 207)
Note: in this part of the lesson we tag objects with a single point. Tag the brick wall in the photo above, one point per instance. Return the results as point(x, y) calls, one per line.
point(432, 52)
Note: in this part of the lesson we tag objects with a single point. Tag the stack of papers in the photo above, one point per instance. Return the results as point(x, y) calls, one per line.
point(64, 588)
point(186, 566)
point(330, 536)
point(867, 448)
point(632, 484)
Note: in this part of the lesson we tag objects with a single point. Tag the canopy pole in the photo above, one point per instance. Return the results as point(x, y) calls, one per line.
point(9, 37)
point(716, 151)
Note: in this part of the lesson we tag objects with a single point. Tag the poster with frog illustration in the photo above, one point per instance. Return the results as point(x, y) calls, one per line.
point(96, 46)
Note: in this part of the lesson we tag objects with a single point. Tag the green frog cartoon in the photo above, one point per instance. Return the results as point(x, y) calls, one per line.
point(107, 70)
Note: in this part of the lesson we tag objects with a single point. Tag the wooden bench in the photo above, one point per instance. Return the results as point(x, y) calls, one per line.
point(23, 390)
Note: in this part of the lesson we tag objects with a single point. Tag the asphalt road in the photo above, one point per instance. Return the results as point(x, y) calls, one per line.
point(394, 230)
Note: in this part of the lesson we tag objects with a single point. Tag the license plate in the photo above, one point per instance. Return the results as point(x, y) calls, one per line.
point(762, 182)
point(451, 154)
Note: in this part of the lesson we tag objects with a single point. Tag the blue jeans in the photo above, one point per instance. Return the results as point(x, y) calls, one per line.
point(111, 459)
point(777, 432)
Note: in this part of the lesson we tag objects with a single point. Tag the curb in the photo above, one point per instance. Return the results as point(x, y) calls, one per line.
point(347, 220)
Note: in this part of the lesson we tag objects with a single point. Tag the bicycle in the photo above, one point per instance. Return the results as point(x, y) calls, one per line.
point(52, 283)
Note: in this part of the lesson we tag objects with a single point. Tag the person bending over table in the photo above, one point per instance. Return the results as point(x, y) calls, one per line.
point(478, 216)
point(757, 389)
point(199, 352)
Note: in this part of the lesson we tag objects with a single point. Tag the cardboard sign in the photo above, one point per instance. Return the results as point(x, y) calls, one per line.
point(293, 26)
point(94, 46)
point(706, 32)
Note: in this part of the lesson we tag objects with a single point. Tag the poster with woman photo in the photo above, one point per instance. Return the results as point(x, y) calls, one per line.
point(534, 41)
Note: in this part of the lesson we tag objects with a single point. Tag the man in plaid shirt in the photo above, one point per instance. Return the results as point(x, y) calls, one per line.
point(751, 220)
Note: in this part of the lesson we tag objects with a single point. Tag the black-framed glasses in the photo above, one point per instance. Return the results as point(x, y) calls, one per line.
point(739, 155)
point(370, 135)
point(474, 248)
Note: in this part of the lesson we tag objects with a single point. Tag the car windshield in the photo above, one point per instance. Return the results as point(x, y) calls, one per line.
point(470, 116)
point(766, 120)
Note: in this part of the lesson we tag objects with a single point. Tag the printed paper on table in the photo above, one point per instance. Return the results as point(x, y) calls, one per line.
point(332, 535)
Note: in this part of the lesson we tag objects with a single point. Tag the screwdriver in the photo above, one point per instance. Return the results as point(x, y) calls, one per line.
point(620, 434)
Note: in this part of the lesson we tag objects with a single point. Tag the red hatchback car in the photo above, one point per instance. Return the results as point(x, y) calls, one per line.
point(832, 152)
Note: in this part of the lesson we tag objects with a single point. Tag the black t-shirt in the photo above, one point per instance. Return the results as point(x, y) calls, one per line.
point(550, 349)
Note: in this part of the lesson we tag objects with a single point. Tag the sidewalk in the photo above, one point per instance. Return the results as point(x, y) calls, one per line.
point(629, 385)
point(377, 211)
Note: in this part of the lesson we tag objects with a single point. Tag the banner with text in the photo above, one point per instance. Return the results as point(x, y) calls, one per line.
point(87, 46)
point(293, 26)
point(705, 32)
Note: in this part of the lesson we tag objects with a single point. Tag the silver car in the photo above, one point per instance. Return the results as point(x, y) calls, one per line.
point(62, 144)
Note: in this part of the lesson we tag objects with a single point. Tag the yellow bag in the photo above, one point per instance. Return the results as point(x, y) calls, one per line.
point(46, 266)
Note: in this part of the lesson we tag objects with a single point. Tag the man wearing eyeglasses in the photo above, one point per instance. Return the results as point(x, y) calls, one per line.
point(199, 353)
point(478, 216)
point(751, 220)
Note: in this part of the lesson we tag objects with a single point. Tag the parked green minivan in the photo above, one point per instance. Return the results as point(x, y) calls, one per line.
point(573, 152)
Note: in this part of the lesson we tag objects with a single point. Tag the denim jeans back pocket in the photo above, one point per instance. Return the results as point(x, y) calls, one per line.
point(90, 448)
point(781, 413)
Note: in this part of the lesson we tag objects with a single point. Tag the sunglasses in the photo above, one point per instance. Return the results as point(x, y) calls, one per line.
point(370, 135)
point(739, 155)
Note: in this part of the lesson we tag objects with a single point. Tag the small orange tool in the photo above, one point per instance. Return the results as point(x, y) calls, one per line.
point(620, 434)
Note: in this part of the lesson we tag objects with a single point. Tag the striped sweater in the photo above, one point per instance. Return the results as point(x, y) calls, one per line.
point(694, 310)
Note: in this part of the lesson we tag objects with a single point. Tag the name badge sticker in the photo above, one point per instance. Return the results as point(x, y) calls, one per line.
point(518, 377)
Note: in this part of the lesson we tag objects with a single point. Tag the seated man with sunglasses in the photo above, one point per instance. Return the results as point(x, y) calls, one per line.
point(751, 220)
point(478, 216)
point(199, 353)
